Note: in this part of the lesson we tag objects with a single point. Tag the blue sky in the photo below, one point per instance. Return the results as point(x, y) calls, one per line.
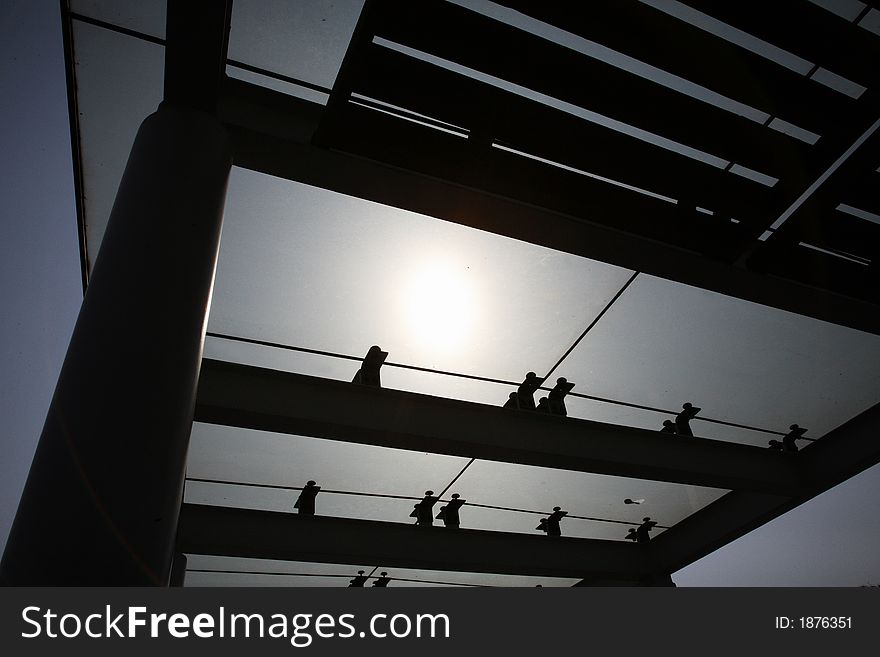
point(829, 541)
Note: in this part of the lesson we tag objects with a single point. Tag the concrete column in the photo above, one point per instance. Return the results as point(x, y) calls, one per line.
point(101, 502)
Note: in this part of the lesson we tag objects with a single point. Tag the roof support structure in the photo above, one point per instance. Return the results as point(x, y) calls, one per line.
point(245, 396)
point(272, 535)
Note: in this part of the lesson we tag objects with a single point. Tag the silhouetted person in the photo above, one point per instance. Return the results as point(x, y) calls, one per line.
point(642, 533)
point(306, 501)
point(382, 581)
point(368, 374)
point(358, 580)
point(449, 512)
point(632, 534)
point(525, 394)
point(630, 501)
point(557, 396)
point(668, 427)
point(682, 420)
point(550, 524)
point(776, 445)
point(512, 401)
point(423, 512)
point(543, 405)
point(789, 441)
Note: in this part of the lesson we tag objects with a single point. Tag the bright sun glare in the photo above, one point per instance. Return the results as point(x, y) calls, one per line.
point(440, 306)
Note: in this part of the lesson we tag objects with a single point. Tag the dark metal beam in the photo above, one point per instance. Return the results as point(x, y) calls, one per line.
point(285, 536)
point(271, 134)
point(197, 33)
point(256, 398)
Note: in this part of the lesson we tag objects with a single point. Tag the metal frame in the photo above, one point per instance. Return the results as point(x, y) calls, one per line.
point(348, 149)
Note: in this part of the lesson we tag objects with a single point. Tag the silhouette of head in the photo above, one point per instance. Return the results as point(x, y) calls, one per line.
point(384, 574)
point(429, 493)
point(512, 395)
point(668, 423)
point(310, 483)
point(531, 375)
point(628, 501)
point(687, 406)
point(646, 519)
point(455, 496)
point(556, 508)
point(794, 427)
point(561, 381)
point(360, 572)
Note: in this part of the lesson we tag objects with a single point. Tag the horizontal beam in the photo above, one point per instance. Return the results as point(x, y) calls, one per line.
point(541, 130)
point(511, 54)
point(272, 535)
point(644, 33)
point(255, 398)
point(271, 134)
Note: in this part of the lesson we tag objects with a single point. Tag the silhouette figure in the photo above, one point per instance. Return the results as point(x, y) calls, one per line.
point(632, 534)
point(358, 580)
point(631, 501)
point(776, 445)
point(543, 405)
point(642, 535)
point(550, 524)
point(789, 441)
point(525, 394)
point(682, 420)
point(557, 396)
point(449, 512)
point(368, 374)
point(512, 401)
point(668, 427)
point(423, 512)
point(306, 501)
point(382, 581)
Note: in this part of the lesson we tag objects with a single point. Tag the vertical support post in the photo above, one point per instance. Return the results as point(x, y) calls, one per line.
point(103, 495)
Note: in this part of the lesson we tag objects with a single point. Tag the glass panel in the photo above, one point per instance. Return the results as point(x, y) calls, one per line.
point(595, 496)
point(589, 409)
point(328, 367)
point(663, 344)
point(281, 359)
point(277, 85)
point(306, 39)
point(475, 517)
point(119, 83)
point(311, 268)
point(145, 16)
point(249, 456)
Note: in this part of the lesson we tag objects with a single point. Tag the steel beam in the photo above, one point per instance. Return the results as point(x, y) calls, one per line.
point(272, 535)
point(256, 398)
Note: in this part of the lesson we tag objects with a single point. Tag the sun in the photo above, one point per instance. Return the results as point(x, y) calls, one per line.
point(440, 305)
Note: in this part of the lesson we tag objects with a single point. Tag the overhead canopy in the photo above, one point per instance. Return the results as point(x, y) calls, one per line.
point(660, 205)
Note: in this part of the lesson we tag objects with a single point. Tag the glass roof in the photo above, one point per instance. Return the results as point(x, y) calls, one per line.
point(662, 344)
point(380, 483)
point(307, 267)
point(302, 267)
point(261, 36)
